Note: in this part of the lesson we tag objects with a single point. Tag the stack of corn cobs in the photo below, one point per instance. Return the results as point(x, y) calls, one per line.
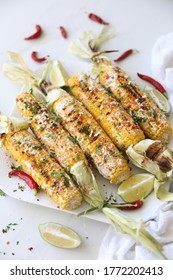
point(96, 120)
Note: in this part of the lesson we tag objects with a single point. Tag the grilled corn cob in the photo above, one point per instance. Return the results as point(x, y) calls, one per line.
point(143, 110)
point(56, 140)
point(92, 139)
point(60, 144)
point(116, 122)
point(47, 173)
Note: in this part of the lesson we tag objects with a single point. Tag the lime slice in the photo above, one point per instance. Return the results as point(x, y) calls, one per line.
point(58, 77)
point(59, 235)
point(159, 99)
point(136, 187)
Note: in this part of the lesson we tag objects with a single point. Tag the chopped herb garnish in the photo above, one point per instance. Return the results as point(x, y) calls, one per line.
point(19, 167)
point(50, 135)
point(72, 139)
point(52, 153)
point(85, 130)
point(137, 118)
point(37, 148)
point(98, 149)
point(60, 175)
point(32, 107)
point(57, 118)
point(21, 188)
point(8, 227)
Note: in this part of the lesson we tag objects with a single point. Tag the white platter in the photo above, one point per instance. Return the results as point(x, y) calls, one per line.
point(11, 186)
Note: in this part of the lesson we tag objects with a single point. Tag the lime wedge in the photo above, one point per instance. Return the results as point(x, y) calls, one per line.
point(136, 187)
point(159, 99)
point(59, 235)
point(58, 77)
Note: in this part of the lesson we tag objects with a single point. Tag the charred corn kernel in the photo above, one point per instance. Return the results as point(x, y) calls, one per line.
point(143, 110)
point(47, 173)
point(116, 122)
point(92, 139)
point(56, 140)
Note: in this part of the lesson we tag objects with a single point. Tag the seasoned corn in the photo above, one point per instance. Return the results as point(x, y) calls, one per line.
point(56, 140)
point(47, 173)
point(116, 122)
point(92, 139)
point(143, 110)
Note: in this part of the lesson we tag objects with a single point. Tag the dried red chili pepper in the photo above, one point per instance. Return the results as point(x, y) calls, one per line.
point(133, 206)
point(28, 179)
point(37, 34)
point(96, 18)
point(38, 59)
point(153, 82)
point(124, 55)
point(63, 32)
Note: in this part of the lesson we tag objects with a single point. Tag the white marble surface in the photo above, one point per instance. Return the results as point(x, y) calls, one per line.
point(138, 23)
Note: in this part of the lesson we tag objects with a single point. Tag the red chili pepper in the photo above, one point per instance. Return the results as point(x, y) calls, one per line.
point(132, 206)
point(153, 82)
point(37, 59)
point(63, 32)
point(124, 55)
point(37, 34)
point(28, 179)
point(96, 18)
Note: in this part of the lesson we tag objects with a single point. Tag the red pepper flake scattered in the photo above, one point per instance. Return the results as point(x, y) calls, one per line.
point(30, 248)
point(153, 82)
point(97, 19)
point(63, 32)
point(35, 35)
point(8, 242)
point(13, 254)
point(125, 54)
point(38, 59)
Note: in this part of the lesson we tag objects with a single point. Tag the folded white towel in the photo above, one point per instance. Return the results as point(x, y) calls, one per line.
point(162, 60)
point(116, 246)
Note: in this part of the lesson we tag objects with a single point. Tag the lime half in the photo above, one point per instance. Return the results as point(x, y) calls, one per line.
point(59, 235)
point(136, 187)
point(159, 99)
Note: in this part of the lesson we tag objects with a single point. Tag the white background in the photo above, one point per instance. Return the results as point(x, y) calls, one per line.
point(138, 24)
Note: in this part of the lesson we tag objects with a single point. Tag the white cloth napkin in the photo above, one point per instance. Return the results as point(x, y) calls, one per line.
point(162, 60)
point(117, 246)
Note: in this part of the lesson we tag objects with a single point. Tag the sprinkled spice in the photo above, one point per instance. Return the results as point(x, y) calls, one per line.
point(8, 227)
point(97, 19)
point(35, 35)
point(30, 248)
point(124, 55)
point(63, 32)
point(38, 59)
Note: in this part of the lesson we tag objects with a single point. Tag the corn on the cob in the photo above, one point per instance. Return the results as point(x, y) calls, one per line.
point(56, 140)
point(143, 110)
point(116, 122)
point(47, 173)
point(92, 139)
